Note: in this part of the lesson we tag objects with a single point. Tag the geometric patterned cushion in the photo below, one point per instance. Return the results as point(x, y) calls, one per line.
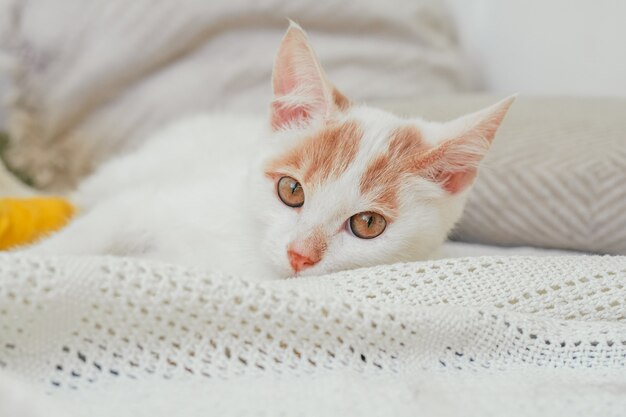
point(555, 176)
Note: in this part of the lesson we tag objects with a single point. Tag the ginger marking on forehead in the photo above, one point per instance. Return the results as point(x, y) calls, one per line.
point(379, 185)
point(405, 144)
point(381, 181)
point(332, 152)
point(325, 155)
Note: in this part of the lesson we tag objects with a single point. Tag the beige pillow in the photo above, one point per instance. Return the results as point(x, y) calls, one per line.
point(93, 78)
point(555, 176)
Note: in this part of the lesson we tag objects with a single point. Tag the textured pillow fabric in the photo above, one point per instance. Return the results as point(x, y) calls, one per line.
point(94, 78)
point(555, 176)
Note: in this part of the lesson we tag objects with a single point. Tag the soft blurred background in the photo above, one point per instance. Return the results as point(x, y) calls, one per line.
point(84, 81)
point(98, 76)
point(555, 47)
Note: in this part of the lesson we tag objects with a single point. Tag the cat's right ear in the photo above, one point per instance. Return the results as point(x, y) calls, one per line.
point(301, 90)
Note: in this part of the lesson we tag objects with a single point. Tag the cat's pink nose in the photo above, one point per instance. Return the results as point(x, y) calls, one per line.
point(299, 262)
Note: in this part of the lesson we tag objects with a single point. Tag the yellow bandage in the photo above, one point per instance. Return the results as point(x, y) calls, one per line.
point(24, 220)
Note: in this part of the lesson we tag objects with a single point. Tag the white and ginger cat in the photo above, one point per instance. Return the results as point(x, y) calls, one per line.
point(323, 185)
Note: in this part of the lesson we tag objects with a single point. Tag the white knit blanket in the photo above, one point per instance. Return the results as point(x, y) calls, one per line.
point(470, 337)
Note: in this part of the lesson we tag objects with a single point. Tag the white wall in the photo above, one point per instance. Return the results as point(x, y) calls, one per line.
point(570, 47)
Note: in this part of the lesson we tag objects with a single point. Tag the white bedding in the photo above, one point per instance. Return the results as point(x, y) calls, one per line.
point(468, 336)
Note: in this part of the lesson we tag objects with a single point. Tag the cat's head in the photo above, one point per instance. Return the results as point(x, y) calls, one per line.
point(343, 185)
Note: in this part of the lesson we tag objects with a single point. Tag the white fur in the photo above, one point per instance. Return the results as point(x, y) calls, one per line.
point(197, 194)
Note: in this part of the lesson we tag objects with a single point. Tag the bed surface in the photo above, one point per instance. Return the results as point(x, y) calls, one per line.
point(509, 335)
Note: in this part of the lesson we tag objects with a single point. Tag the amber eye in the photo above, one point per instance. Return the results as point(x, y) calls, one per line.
point(290, 192)
point(367, 225)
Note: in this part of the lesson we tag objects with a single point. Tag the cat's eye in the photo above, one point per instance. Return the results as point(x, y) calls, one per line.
point(290, 192)
point(367, 225)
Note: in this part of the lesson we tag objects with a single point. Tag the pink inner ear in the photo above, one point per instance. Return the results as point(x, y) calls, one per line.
point(457, 181)
point(282, 115)
point(454, 162)
point(300, 88)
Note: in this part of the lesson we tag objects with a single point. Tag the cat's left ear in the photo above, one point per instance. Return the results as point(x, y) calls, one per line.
point(454, 162)
point(301, 90)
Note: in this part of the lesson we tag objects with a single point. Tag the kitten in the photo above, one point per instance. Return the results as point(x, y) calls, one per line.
point(324, 185)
